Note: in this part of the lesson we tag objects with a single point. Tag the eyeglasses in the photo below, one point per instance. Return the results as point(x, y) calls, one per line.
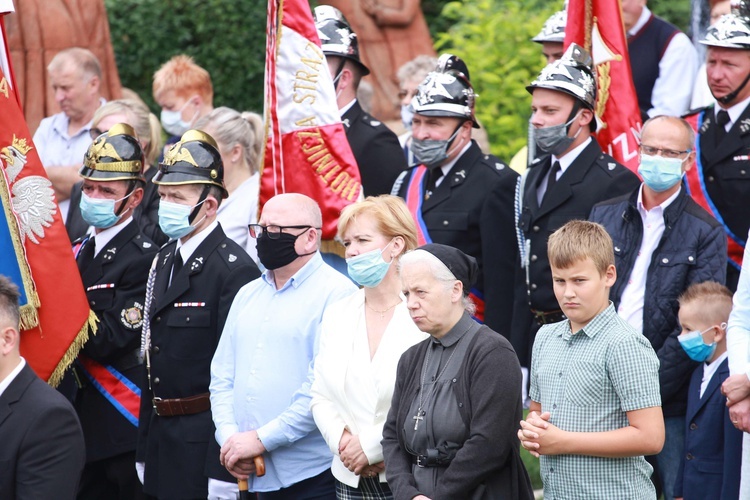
point(95, 132)
point(666, 153)
point(273, 232)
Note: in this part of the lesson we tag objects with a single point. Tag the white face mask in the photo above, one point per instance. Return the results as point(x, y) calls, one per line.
point(172, 120)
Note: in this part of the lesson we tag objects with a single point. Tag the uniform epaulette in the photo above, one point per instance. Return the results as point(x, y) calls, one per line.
point(231, 255)
point(142, 243)
point(607, 163)
point(494, 163)
point(369, 120)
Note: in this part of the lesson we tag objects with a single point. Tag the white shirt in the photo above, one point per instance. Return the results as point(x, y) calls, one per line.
point(186, 249)
point(678, 66)
point(4, 383)
point(709, 369)
point(631, 303)
point(238, 211)
point(346, 107)
point(566, 161)
point(101, 239)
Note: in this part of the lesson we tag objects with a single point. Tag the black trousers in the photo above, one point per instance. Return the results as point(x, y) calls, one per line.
point(111, 478)
point(320, 487)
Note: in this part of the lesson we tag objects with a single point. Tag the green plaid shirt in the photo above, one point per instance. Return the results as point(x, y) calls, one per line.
point(588, 381)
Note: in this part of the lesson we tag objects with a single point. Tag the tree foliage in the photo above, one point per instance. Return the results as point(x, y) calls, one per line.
point(226, 37)
point(493, 37)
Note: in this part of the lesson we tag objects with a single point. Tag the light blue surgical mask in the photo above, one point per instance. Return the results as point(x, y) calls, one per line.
point(100, 212)
point(174, 219)
point(660, 173)
point(695, 347)
point(369, 268)
point(172, 120)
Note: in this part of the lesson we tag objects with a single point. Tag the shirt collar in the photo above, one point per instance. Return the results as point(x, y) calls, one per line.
point(597, 325)
point(642, 20)
point(456, 333)
point(448, 166)
point(347, 107)
point(192, 244)
point(61, 121)
point(735, 111)
point(299, 277)
point(4, 383)
point(103, 238)
point(717, 362)
point(568, 158)
point(659, 208)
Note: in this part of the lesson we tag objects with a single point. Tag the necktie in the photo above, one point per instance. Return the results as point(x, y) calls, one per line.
point(722, 118)
point(434, 175)
point(552, 179)
point(177, 264)
point(86, 254)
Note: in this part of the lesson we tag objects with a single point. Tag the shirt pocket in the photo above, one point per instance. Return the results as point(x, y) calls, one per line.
point(585, 384)
point(192, 330)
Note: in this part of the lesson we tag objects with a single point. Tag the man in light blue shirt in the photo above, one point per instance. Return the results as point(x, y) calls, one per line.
point(262, 370)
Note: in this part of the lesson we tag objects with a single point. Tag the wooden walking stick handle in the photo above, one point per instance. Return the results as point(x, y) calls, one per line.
point(260, 470)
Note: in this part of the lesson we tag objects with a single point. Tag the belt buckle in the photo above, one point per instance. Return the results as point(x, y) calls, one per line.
point(422, 461)
point(154, 402)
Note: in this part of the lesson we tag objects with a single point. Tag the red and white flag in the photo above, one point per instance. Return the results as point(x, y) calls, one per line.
point(35, 251)
point(597, 26)
point(306, 147)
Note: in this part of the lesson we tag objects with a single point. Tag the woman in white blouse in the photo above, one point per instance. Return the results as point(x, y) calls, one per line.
point(362, 339)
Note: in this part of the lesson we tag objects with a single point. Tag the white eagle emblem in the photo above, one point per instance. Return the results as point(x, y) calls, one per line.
point(32, 197)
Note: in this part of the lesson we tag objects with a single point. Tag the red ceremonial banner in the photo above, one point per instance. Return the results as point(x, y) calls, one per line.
point(306, 147)
point(597, 26)
point(36, 252)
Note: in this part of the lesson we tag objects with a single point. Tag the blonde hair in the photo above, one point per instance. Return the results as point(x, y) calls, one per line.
point(714, 298)
point(185, 78)
point(578, 240)
point(138, 117)
point(229, 127)
point(392, 218)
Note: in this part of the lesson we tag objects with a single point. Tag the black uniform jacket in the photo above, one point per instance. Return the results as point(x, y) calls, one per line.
point(376, 149)
point(41, 444)
point(115, 284)
point(472, 210)
point(592, 177)
point(726, 173)
point(187, 318)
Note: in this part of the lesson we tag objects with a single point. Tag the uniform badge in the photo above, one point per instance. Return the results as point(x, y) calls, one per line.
point(745, 125)
point(196, 264)
point(611, 166)
point(705, 126)
point(374, 123)
point(132, 317)
point(146, 244)
point(166, 257)
point(232, 257)
point(499, 166)
point(110, 254)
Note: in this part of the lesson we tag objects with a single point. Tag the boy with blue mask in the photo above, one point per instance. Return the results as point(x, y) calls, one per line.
point(113, 260)
point(664, 242)
point(710, 466)
point(191, 285)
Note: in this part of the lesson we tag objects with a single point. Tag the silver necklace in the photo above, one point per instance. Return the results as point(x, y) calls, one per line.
point(419, 416)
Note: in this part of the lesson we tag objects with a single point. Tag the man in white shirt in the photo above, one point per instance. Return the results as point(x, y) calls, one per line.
point(663, 61)
point(663, 242)
point(41, 448)
point(262, 371)
point(63, 138)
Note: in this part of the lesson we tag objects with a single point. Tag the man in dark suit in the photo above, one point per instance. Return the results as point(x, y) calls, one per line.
point(41, 443)
point(459, 196)
point(114, 263)
point(721, 180)
point(375, 146)
point(190, 288)
point(572, 176)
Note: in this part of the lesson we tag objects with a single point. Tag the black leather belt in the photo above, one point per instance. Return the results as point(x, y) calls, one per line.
point(432, 459)
point(546, 318)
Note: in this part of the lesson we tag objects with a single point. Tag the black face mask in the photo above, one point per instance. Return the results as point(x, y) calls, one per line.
point(277, 253)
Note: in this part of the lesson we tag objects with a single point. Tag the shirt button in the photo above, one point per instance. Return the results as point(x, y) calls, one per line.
point(554, 406)
point(559, 374)
point(454, 380)
point(445, 222)
point(535, 229)
point(156, 349)
point(158, 318)
point(534, 258)
point(552, 470)
point(689, 456)
point(93, 302)
point(691, 258)
point(156, 381)
point(533, 286)
point(693, 426)
point(665, 260)
point(710, 178)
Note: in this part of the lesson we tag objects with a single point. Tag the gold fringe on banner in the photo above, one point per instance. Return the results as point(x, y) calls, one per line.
point(89, 328)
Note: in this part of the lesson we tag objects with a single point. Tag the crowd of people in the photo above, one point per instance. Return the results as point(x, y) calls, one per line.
point(398, 362)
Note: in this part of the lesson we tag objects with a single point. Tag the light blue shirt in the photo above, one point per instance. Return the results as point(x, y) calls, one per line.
point(262, 370)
